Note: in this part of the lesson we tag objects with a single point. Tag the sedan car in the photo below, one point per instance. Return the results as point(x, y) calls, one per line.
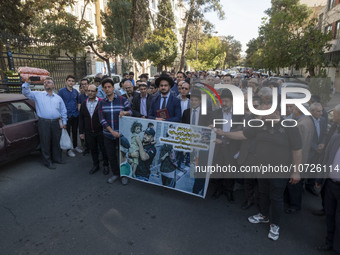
point(18, 127)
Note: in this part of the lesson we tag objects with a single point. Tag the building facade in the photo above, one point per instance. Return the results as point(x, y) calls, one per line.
point(329, 21)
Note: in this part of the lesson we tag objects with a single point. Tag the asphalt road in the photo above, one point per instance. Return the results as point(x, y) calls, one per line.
point(67, 211)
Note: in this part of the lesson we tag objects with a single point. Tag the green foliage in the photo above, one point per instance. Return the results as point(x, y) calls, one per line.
point(232, 49)
point(210, 54)
point(165, 15)
point(160, 48)
point(288, 38)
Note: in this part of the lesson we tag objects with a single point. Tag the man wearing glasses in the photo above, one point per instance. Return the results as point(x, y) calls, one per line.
point(50, 109)
point(91, 130)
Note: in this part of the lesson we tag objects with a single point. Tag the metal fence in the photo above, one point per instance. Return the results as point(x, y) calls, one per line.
point(32, 52)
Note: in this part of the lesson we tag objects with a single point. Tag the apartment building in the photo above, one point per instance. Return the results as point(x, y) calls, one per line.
point(329, 20)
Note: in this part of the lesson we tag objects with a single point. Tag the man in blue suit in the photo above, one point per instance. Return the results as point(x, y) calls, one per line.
point(165, 100)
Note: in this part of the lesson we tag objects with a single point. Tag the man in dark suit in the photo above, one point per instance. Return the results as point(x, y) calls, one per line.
point(194, 116)
point(141, 103)
point(226, 149)
point(318, 141)
point(195, 109)
point(91, 130)
point(165, 101)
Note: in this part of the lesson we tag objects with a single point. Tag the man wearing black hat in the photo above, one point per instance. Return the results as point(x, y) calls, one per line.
point(147, 151)
point(165, 106)
point(226, 149)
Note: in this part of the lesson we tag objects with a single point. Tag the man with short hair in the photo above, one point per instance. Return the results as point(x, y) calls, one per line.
point(165, 102)
point(332, 188)
point(71, 100)
point(184, 96)
point(91, 130)
point(50, 109)
point(180, 77)
point(84, 83)
point(131, 76)
point(153, 89)
point(141, 103)
point(128, 88)
point(111, 109)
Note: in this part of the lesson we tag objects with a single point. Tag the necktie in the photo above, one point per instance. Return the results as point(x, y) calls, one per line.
point(193, 119)
point(164, 101)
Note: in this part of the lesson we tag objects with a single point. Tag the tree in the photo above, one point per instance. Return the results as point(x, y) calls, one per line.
point(126, 25)
point(291, 38)
point(195, 13)
point(160, 48)
point(165, 15)
point(232, 50)
point(210, 54)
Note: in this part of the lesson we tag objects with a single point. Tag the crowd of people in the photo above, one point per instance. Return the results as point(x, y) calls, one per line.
point(95, 113)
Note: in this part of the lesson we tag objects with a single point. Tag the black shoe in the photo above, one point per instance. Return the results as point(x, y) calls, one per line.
point(230, 196)
point(312, 191)
point(217, 194)
point(59, 162)
point(319, 212)
point(94, 169)
point(324, 247)
point(291, 211)
point(247, 204)
point(106, 170)
point(51, 166)
point(86, 151)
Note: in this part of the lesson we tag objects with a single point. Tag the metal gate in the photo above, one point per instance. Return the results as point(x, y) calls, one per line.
point(28, 51)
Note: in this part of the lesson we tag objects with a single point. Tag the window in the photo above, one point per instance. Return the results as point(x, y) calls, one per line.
point(328, 29)
point(331, 4)
point(21, 112)
point(337, 30)
point(89, 14)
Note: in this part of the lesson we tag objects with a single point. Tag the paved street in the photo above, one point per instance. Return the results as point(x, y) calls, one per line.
point(67, 211)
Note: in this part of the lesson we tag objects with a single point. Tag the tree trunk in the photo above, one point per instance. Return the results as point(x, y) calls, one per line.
point(107, 61)
point(3, 66)
point(189, 20)
point(311, 71)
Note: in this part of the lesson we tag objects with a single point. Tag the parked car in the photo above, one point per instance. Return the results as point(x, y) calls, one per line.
point(18, 127)
point(295, 95)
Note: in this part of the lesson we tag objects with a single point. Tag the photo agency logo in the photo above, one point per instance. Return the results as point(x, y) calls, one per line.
point(264, 115)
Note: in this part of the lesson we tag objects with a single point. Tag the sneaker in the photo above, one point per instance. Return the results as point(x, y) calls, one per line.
point(71, 154)
point(274, 232)
point(77, 149)
point(258, 218)
point(124, 180)
point(112, 179)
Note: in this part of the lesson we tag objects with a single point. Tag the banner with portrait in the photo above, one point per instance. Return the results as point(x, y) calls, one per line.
point(166, 153)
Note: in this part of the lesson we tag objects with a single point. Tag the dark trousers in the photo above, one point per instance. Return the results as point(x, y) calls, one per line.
point(50, 133)
point(198, 186)
point(332, 207)
point(95, 141)
point(112, 154)
point(169, 182)
point(271, 193)
point(294, 195)
point(72, 124)
point(250, 190)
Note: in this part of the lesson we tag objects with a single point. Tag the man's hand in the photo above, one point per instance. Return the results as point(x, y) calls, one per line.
point(218, 141)
point(64, 126)
point(160, 119)
point(317, 185)
point(295, 178)
point(82, 136)
point(219, 131)
point(115, 134)
point(123, 113)
point(321, 147)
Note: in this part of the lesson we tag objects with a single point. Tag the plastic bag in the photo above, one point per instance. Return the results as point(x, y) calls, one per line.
point(65, 141)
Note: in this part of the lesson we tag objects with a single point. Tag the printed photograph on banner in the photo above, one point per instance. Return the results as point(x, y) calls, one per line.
point(165, 153)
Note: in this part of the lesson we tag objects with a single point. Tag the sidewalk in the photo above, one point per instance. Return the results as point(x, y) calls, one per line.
point(335, 100)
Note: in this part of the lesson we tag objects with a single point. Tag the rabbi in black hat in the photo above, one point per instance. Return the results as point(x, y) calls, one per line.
point(147, 152)
point(165, 106)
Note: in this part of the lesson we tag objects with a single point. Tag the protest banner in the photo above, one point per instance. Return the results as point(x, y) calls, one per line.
point(166, 153)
